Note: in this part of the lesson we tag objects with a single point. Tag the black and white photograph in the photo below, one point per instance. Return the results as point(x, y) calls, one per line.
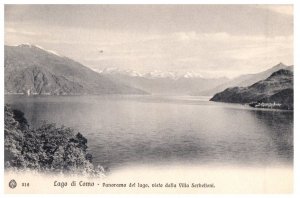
point(148, 98)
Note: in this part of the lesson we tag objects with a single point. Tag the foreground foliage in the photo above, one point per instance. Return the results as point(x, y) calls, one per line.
point(46, 149)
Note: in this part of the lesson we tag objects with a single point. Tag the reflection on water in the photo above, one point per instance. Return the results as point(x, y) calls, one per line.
point(280, 124)
point(123, 130)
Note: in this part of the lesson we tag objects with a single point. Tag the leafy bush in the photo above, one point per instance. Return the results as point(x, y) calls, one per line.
point(47, 149)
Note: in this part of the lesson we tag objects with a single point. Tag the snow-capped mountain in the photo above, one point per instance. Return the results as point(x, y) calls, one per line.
point(28, 45)
point(115, 70)
point(158, 82)
point(159, 74)
point(150, 75)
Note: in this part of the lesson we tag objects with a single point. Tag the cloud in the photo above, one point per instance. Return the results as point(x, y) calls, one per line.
point(215, 52)
point(19, 31)
point(199, 52)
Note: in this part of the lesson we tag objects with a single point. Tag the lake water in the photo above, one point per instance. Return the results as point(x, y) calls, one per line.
point(130, 130)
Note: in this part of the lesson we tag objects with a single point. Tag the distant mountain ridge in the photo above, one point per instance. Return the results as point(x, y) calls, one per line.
point(33, 70)
point(158, 82)
point(151, 75)
point(277, 88)
point(188, 83)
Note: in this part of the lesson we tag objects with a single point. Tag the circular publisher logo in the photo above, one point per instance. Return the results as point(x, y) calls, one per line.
point(12, 183)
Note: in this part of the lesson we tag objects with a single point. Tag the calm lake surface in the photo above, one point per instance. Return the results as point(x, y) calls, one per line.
point(129, 130)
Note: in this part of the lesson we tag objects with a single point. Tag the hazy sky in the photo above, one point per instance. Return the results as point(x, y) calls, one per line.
point(214, 40)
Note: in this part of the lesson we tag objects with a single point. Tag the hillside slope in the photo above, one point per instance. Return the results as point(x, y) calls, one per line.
point(277, 88)
point(31, 69)
point(246, 80)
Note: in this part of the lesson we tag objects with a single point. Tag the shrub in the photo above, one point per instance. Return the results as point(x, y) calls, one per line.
point(47, 149)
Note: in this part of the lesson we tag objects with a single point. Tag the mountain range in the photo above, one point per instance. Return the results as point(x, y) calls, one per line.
point(188, 83)
point(33, 70)
point(163, 82)
point(150, 75)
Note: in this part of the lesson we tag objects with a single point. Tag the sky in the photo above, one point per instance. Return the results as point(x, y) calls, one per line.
point(211, 40)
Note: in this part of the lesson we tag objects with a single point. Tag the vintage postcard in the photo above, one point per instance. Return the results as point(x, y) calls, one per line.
point(173, 98)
